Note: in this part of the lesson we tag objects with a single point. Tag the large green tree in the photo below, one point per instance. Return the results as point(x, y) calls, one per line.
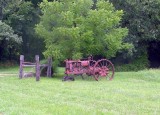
point(22, 17)
point(9, 42)
point(142, 18)
point(73, 29)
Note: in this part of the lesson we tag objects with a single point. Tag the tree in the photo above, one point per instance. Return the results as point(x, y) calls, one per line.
point(35, 2)
point(74, 29)
point(22, 17)
point(142, 18)
point(9, 42)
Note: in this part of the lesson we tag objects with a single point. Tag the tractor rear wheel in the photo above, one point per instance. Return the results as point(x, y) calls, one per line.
point(103, 69)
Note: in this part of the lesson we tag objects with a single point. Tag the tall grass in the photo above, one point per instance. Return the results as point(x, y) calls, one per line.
point(129, 93)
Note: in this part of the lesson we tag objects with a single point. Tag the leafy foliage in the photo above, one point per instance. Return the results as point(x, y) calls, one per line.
point(134, 65)
point(22, 16)
point(74, 29)
point(8, 41)
point(142, 18)
point(7, 33)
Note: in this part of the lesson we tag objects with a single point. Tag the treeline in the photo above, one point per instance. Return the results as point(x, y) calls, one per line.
point(20, 17)
point(141, 17)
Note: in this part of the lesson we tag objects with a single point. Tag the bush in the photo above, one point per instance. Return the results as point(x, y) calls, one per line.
point(139, 63)
point(7, 64)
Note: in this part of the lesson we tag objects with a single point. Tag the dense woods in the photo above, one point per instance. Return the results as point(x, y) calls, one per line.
point(142, 18)
point(125, 31)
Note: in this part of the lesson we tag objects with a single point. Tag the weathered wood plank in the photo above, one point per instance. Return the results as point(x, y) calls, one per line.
point(37, 68)
point(21, 66)
point(49, 67)
point(28, 65)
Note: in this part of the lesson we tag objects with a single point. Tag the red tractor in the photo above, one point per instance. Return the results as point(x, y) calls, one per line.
point(100, 69)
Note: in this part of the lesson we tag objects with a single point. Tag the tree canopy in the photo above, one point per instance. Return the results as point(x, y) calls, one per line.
point(22, 16)
point(8, 40)
point(123, 29)
point(142, 18)
point(7, 33)
point(76, 29)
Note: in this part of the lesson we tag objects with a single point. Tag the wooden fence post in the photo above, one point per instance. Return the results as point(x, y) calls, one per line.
point(21, 66)
point(37, 68)
point(49, 72)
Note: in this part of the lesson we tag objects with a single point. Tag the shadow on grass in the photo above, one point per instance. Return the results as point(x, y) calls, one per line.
point(77, 78)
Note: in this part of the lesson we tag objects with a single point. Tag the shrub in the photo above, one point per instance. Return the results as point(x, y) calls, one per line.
point(139, 63)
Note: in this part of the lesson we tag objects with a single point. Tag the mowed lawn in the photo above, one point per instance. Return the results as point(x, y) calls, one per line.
point(129, 93)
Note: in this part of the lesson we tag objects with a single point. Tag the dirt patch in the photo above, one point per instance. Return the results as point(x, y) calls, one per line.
point(7, 74)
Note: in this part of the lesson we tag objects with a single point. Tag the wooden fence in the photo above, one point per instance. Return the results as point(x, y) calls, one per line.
point(37, 66)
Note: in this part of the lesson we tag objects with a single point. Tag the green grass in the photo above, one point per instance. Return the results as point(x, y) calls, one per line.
point(14, 70)
point(130, 93)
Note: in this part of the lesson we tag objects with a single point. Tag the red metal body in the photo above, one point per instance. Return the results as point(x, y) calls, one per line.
point(102, 68)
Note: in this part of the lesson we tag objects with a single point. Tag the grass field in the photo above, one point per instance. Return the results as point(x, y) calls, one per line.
point(130, 93)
